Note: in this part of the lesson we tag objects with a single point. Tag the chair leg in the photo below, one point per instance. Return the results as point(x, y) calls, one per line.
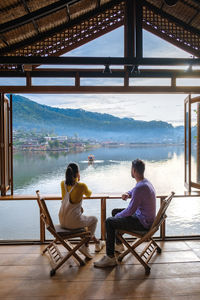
point(49, 246)
point(52, 272)
point(62, 262)
point(71, 253)
point(62, 241)
point(123, 254)
point(75, 256)
point(137, 256)
point(64, 259)
point(73, 250)
point(158, 249)
point(56, 257)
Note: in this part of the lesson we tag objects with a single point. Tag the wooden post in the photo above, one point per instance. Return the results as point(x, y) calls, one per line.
point(189, 143)
point(138, 29)
point(28, 79)
point(132, 33)
point(198, 142)
point(173, 81)
point(162, 227)
point(42, 229)
point(103, 218)
point(77, 80)
point(7, 143)
point(2, 145)
point(185, 143)
point(133, 29)
point(11, 146)
point(126, 78)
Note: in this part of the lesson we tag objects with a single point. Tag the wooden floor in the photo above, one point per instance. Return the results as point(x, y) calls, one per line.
point(175, 274)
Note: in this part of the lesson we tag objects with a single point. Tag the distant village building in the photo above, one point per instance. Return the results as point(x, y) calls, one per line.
point(60, 139)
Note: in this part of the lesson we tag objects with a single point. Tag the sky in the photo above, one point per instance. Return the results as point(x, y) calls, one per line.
point(167, 108)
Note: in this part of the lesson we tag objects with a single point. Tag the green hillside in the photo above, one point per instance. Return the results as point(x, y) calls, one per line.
point(28, 114)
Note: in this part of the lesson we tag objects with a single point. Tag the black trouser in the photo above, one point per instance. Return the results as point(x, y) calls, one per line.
point(114, 212)
point(113, 224)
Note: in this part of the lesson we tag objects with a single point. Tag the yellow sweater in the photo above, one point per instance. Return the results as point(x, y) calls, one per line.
point(77, 194)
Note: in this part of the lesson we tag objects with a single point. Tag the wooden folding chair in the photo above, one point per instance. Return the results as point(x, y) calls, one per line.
point(62, 236)
point(145, 236)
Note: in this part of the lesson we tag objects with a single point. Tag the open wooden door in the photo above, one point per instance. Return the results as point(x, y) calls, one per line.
point(6, 145)
point(192, 142)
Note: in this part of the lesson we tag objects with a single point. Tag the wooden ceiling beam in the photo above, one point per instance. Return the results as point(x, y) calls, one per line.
point(68, 12)
point(78, 60)
point(93, 73)
point(28, 11)
point(101, 89)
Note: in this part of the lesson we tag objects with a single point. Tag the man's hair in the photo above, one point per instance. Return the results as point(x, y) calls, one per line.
point(139, 166)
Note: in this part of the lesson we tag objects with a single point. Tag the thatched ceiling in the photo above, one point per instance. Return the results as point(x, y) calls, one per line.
point(52, 27)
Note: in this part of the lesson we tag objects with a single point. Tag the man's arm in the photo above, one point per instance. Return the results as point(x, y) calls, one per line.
point(126, 195)
point(130, 193)
point(133, 205)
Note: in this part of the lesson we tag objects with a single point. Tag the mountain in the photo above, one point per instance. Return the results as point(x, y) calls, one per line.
point(28, 114)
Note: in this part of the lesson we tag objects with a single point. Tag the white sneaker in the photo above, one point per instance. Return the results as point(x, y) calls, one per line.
point(119, 248)
point(106, 261)
point(99, 247)
point(85, 251)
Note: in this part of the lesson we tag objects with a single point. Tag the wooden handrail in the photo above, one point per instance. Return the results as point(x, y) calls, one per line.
point(95, 196)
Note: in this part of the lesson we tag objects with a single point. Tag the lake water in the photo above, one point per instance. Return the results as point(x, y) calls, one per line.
point(110, 174)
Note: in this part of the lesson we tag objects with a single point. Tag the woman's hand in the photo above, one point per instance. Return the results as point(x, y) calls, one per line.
point(79, 176)
point(125, 196)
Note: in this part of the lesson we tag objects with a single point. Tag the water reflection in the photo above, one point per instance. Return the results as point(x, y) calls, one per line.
point(36, 168)
point(109, 174)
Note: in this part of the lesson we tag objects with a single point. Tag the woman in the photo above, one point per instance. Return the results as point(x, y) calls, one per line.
point(71, 212)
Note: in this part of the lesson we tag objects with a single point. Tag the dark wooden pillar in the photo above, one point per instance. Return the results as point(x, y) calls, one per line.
point(133, 44)
point(11, 145)
point(198, 143)
point(2, 145)
point(133, 29)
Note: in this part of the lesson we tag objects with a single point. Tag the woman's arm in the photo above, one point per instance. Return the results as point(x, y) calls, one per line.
point(62, 189)
point(87, 192)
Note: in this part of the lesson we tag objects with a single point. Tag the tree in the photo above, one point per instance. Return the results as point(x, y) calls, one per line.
point(50, 144)
point(56, 144)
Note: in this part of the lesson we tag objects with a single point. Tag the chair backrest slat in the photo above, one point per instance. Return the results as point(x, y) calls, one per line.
point(45, 212)
point(161, 213)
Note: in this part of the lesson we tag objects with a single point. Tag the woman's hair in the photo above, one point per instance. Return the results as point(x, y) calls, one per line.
point(71, 173)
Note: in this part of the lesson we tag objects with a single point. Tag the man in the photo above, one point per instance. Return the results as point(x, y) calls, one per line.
point(139, 215)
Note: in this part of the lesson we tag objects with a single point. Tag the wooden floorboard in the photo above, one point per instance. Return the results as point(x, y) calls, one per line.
point(175, 274)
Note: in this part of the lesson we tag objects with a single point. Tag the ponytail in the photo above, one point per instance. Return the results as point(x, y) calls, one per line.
point(71, 173)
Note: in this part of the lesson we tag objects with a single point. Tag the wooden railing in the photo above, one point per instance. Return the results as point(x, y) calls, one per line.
point(103, 199)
